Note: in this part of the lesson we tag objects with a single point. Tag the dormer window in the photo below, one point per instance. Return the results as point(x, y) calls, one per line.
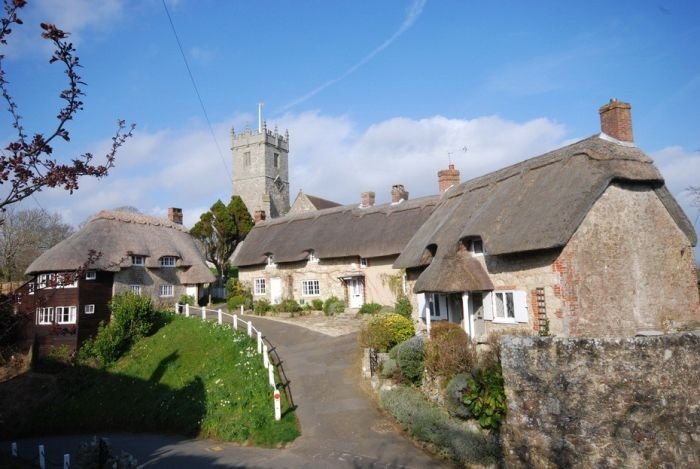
point(138, 260)
point(90, 275)
point(363, 262)
point(312, 257)
point(168, 261)
point(271, 261)
point(475, 246)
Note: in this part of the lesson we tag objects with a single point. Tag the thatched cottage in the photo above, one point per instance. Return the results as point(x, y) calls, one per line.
point(345, 251)
point(585, 240)
point(114, 252)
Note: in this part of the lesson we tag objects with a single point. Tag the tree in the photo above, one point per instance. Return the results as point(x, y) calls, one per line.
point(24, 235)
point(695, 193)
point(220, 230)
point(28, 165)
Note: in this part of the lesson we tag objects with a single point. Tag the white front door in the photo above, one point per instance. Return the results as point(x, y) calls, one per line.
point(275, 290)
point(356, 293)
point(477, 328)
point(191, 290)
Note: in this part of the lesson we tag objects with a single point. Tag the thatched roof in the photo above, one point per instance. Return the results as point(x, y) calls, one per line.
point(533, 205)
point(118, 236)
point(336, 232)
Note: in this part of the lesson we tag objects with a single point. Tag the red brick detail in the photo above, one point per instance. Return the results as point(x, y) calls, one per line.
point(534, 311)
point(567, 290)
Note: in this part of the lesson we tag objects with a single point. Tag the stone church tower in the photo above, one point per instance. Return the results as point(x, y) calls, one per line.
point(261, 169)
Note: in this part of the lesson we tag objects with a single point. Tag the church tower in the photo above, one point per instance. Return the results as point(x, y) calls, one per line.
point(261, 169)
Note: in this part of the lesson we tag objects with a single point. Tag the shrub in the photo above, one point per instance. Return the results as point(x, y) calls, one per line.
point(454, 396)
point(403, 307)
point(486, 398)
point(236, 301)
point(333, 305)
point(133, 317)
point(186, 300)
point(409, 356)
point(449, 352)
point(386, 330)
point(234, 287)
point(389, 368)
point(261, 307)
point(317, 304)
point(289, 305)
point(426, 422)
point(370, 308)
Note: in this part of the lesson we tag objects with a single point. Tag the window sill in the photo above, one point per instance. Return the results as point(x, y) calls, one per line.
point(504, 321)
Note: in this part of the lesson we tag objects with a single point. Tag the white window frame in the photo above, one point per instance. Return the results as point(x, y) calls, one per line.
point(520, 307)
point(166, 290)
point(246, 158)
point(89, 309)
point(364, 262)
point(54, 280)
point(135, 289)
point(70, 311)
point(434, 301)
point(507, 299)
point(91, 275)
point(168, 261)
point(271, 261)
point(138, 260)
point(310, 287)
point(259, 286)
point(312, 258)
point(44, 315)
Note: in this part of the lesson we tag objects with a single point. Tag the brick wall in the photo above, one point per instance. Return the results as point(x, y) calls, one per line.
point(629, 402)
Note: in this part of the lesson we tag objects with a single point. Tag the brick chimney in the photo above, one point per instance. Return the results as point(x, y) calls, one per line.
point(175, 215)
point(398, 193)
point(448, 178)
point(366, 199)
point(258, 216)
point(616, 120)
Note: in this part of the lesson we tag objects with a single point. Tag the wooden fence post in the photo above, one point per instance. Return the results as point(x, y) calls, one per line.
point(266, 359)
point(278, 405)
point(250, 329)
point(221, 319)
point(204, 313)
point(271, 372)
point(259, 342)
point(42, 457)
point(187, 310)
point(177, 308)
point(66, 461)
point(14, 449)
point(235, 322)
point(241, 310)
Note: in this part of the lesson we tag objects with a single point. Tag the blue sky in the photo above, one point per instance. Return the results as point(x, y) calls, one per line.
point(373, 93)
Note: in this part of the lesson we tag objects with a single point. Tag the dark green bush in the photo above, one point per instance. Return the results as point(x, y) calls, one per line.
point(389, 368)
point(454, 396)
point(235, 302)
point(486, 398)
point(289, 305)
point(386, 330)
point(317, 304)
point(186, 300)
point(449, 352)
point(426, 422)
point(403, 307)
point(133, 317)
point(333, 305)
point(370, 308)
point(261, 307)
point(409, 356)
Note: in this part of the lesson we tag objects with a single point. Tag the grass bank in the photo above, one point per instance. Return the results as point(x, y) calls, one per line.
point(191, 377)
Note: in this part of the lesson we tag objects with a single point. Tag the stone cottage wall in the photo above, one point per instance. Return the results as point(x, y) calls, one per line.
point(150, 281)
point(629, 402)
point(627, 268)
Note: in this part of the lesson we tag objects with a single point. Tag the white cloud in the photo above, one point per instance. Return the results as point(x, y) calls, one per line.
point(681, 169)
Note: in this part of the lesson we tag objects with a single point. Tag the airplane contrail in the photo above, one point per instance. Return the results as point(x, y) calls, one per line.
point(414, 11)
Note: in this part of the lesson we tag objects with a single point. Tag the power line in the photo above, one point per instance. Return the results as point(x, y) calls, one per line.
point(196, 90)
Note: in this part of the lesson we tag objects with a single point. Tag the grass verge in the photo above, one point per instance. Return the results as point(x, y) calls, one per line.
point(191, 377)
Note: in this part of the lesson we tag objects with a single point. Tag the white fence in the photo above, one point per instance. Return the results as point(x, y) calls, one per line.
point(263, 345)
point(40, 459)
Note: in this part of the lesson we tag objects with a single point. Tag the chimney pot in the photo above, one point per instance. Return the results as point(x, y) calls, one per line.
point(448, 178)
point(258, 216)
point(175, 215)
point(616, 120)
point(366, 199)
point(398, 193)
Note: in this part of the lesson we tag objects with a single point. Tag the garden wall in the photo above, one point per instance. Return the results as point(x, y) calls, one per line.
point(631, 402)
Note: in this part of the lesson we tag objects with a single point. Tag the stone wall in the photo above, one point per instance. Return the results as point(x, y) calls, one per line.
point(629, 402)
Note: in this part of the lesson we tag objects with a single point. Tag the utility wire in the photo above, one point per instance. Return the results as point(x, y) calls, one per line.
point(196, 90)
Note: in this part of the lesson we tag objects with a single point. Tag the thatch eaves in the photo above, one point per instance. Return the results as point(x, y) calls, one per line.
point(344, 231)
point(533, 205)
point(116, 236)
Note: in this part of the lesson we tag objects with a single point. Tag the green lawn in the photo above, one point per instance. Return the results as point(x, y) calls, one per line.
point(190, 377)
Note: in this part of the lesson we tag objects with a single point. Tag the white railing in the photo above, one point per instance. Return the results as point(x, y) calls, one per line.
point(40, 460)
point(236, 322)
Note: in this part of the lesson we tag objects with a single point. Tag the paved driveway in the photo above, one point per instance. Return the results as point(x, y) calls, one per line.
point(341, 426)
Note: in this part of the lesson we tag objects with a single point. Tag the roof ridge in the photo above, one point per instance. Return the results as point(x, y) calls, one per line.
point(138, 218)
